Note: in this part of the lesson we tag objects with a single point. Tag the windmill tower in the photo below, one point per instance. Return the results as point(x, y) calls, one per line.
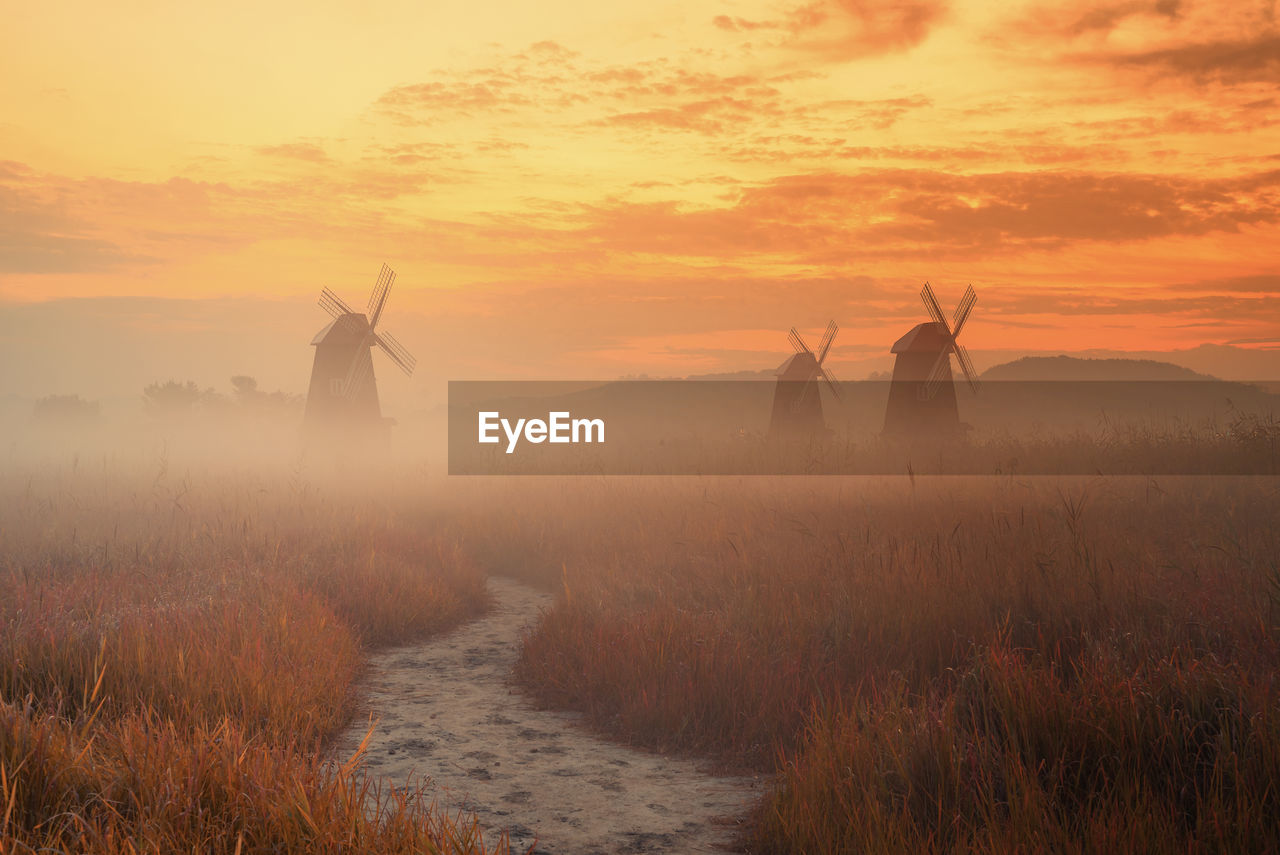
point(922, 394)
point(344, 392)
point(797, 403)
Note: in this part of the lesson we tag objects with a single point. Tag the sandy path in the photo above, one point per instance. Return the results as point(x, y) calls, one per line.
point(447, 712)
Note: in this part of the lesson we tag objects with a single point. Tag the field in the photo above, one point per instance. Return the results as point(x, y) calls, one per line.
point(926, 664)
point(177, 653)
point(994, 665)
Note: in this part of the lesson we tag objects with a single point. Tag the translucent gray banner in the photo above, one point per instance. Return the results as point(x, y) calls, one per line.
point(763, 427)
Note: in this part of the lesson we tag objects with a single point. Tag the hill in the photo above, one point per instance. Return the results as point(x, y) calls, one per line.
point(1074, 368)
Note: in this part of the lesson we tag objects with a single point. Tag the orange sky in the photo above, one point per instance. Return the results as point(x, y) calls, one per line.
point(663, 187)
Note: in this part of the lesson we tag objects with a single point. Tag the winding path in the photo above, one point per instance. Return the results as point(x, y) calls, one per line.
point(447, 712)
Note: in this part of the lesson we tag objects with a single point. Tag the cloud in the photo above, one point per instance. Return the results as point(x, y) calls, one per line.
point(711, 116)
point(1059, 207)
point(1256, 58)
point(52, 224)
point(1105, 17)
point(735, 25)
point(545, 83)
point(1206, 311)
point(549, 53)
point(1258, 340)
point(827, 217)
point(26, 252)
point(496, 94)
point(1228, 41)
point(309, 152)
point(1264, 283)
point(563, 94)
point(851, 29)
point(39, 234)
point(840, 30)
point(792, 148)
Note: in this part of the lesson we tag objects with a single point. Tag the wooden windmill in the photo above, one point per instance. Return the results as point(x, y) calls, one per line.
point(797, 402)
point(922, 394)
point(344, 391)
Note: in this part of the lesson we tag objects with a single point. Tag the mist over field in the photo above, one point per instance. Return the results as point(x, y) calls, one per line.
point(786, 427)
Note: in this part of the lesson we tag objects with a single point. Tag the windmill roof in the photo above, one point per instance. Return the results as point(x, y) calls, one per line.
point(350, 328)
point(801, 366)
point(928, 337)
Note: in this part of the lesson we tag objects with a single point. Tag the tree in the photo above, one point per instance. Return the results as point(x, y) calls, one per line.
point(248, 395)
point(245, 389)
point(172, 398)
point(66, 411)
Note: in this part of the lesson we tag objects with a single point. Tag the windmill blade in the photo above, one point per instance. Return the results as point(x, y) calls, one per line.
point(378, 299)
point(962, 311)
point(931, 305)
point(797, 342)
point(332, 303)
point(356, 379)
point(359, 372)
point(396, 352)
point(940, 366)
point(832, 383)
point(804, 394)
point(962, 356)
point(827, 337)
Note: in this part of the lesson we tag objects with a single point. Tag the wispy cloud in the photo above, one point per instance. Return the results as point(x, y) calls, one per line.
point(841, 30)
point(305, 151)
point(41, 233)
point(1245, 59)
point(894, 212)
point(1227, 41)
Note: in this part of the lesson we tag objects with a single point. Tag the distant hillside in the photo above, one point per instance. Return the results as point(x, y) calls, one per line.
point(1074, 368)
point(762, 374)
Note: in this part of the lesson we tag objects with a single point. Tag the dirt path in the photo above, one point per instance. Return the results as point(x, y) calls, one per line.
point(448, 712)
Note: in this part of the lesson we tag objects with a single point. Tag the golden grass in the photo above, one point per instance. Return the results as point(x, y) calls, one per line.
point(944, 664)
point(1000, 664)
point(178, 656)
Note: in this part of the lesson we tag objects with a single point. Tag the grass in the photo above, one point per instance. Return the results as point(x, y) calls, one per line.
point(922, 665)
point(988, 665)
point(179, 657)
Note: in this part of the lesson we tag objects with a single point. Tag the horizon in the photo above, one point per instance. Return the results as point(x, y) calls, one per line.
point(659, 191)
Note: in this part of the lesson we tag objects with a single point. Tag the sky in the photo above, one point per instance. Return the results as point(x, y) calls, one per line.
point(596, 190)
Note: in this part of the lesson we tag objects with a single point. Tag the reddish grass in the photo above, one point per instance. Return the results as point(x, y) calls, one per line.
point(929, 665)
point(951, 664)
point(177, 659)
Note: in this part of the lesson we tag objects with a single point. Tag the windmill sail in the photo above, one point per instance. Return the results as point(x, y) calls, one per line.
point(832, 384)
point(962, 356)
point(827, 337)
point(333, 304)
point(378, 299)
point(396, 352)
point(360, 372)
point(937, 375)
point(963, 309)
point(931, 305)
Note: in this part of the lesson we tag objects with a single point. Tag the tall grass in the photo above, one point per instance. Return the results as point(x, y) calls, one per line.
point(975, 664)
point(942, 664)
point(179, 654)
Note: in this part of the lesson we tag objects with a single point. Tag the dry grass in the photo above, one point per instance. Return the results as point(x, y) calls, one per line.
point(178, 654)
point(942, 664)
point(995, 664)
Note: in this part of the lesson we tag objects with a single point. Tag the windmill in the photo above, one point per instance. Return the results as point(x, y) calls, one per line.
point(922, 394)
point(797, 404)
point(344, 392)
